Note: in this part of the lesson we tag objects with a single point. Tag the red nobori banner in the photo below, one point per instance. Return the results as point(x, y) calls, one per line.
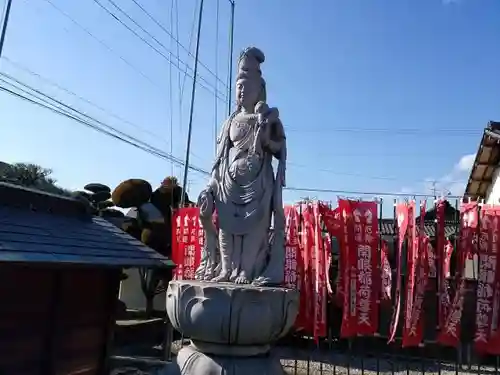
point(294, 268)
point(402, 222)
point(386, 272)
point(292, 249)
point(362, 284)
point(431, 254)
point(319, 277)
point(441, 260)
point(450, 334)
point(487, 279)
point(411, 261)
point(469, 220)
point(327, 243)
point(448, 250)
point(493, 346)
point(307, 249)
point(188, 241)
point(349, 321)
point(414, 335)
point(333, 223)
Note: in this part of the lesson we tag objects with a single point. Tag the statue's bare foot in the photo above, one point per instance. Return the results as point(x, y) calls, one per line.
point(265, 281)
point(260, 281)
point(209, 273)
point(234, 275)
point(224, 276)
point(242, 279)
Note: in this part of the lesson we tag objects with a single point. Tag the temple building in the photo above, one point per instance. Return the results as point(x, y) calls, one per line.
point(484, 179)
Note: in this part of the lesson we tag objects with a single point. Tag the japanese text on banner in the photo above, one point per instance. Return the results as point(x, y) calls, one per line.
point(364, 276)
point(487, 278)
point(411, 259)
point(450, 334)
point(187, 244)
point(413, 334)
point(402, 223)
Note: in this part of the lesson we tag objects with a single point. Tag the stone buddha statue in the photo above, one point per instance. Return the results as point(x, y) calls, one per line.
point(244, 188)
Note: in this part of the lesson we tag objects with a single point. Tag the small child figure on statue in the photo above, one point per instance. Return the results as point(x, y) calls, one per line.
point(265, 115)
point(265, 118)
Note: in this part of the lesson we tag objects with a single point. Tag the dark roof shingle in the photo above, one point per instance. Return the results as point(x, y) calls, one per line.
point(451, 227)
point(65, 235)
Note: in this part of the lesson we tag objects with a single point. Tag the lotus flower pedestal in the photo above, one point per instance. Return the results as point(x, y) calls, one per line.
point(231, 327)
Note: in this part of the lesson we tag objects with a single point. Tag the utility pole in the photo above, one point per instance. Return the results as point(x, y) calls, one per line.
point(216, 97)
point(434, 188)
point(191, 110)
point(231, 48)
point(5, 21)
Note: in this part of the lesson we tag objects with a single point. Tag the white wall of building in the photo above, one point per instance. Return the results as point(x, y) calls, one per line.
point(493, 193)
point(492, 197)
point(131, 293)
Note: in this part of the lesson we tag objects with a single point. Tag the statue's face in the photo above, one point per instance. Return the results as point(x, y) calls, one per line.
point(247, 92)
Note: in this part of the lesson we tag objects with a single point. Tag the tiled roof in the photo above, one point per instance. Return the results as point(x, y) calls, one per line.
point(387, 228)
point(485, 163)
point(36, 227)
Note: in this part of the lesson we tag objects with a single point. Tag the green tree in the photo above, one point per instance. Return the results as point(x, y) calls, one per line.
point(31, 176)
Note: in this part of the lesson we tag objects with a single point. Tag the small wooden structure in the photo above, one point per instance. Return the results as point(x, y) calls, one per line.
point(60, 272)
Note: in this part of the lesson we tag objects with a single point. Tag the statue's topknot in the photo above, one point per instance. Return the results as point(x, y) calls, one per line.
point(250, 59)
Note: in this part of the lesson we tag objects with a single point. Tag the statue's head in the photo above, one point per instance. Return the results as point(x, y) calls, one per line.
point(250, 91)
point(250, 86)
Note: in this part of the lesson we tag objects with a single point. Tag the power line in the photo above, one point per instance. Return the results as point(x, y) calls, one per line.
point(4, 20)
point(56, 85)
point(170, 92)
point(191, 109)
point(112, 51)
point(105, 45)
point(216, 109)
point(167, 58)
point(81, 98)
point(179, 44)
point(44, 102)
point(331, 171)
point(47, 102)
point(360, 193)
point(384, 178)
point(182, 84)
point(230, 67)
point(389, 131)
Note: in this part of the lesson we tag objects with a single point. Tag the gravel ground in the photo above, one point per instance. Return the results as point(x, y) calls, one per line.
point(130, 371)
point(296, 362)
point(303, 362)
point(298, 367)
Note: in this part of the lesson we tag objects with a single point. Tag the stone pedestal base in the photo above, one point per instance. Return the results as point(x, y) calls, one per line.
point(190, 361)
point(231, 327)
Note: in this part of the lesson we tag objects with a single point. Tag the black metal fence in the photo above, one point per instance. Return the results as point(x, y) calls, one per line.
point(301, 355)
point(373, 355)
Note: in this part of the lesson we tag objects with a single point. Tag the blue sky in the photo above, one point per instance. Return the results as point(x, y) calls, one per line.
point(352, 79)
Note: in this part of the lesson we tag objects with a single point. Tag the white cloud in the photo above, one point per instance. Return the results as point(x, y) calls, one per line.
point(465, 163)
point(457, 188)
point(452, 183)
point(407, 190)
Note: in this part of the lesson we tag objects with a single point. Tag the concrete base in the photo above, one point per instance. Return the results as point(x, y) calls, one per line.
point(190, 361)
point(231, 327)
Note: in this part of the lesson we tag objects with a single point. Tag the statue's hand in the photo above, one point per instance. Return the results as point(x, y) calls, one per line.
point(273, 115)
point(206, 203)
point(282, 173)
